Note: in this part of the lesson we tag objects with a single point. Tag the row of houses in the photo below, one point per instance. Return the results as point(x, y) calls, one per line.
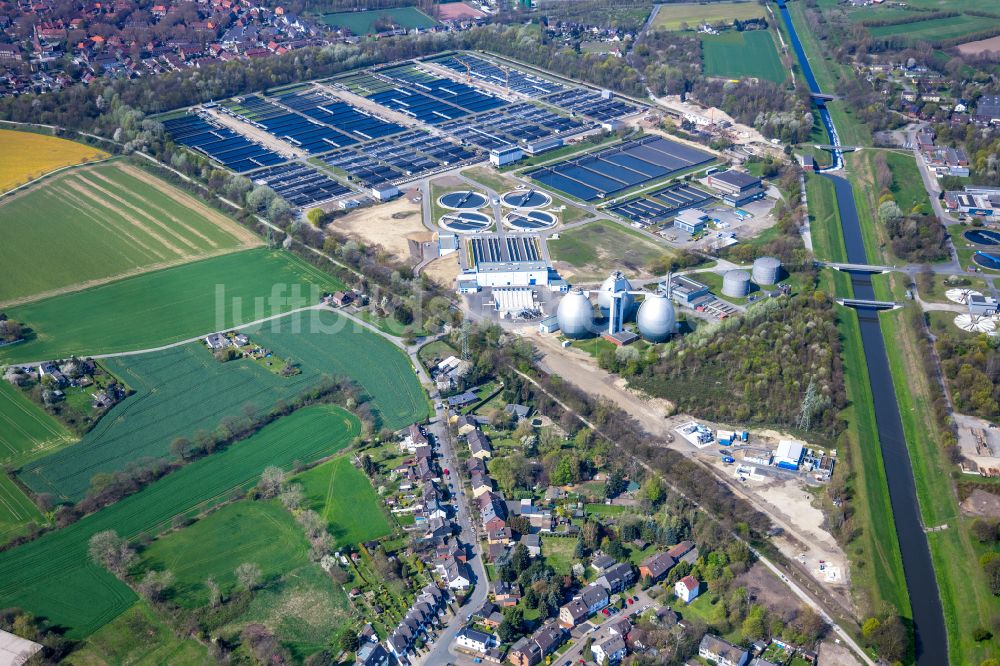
point(942, 160)
point(425, 613)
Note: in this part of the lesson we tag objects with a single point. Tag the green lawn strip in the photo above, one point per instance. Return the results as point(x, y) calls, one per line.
point(939, 286)
point(344, 497)
point(260, 532)
point(964, 591)
point(876, 562)
point(861, 173)
point(140, 638)
point(605, 510)
point(824, 220)
point(168, 306)
point(390, 325)
point(52, 576)
point(488, 177)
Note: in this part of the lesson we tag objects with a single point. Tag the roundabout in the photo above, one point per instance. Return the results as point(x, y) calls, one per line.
point(525, 199)
point(529, 220)
point(465, 222)
point(463, 200)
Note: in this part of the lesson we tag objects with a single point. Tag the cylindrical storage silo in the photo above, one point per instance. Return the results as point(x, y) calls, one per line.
point(615, 283)
point(766, 270)
point(736, 284)
point(575, 315)
point(657, 319)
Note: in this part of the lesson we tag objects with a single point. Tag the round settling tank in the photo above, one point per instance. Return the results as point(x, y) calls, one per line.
point(766, 270)
point(575, 315)
point(736, 284)
point(657, 318)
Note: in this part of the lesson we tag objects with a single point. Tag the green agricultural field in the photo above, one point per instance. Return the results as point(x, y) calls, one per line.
point(596, 248)
point(167, 306)
point(672, 16)
point(363, 23)
point(184, 390)
point(96, 223)
point(140, 638)
point(934, 30)
point(735, 55)
point(260, 532)
point(26, 432)
point(52, 576)
point(344, 496)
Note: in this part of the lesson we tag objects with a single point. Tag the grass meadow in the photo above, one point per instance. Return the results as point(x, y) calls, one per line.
point(100, 222)
point(672, 16)
point(363, 23)
point(735, 55)
point(29, 155)
point(52, 576)
point(167, 306)
point(183, 390)
point(260, 532)
point(596, 248)
point(344, 497)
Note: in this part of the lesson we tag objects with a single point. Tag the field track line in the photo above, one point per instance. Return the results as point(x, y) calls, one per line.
point(156, 209)
point(53, 173)
point(246, 237)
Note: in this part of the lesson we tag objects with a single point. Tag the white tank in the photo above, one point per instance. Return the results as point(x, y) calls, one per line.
point(575, 315)
point(766, 270)
point(736, 284)
point(657, 319)
point(616, 282)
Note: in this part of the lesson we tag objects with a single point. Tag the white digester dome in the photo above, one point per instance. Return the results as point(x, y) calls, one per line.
point(575, 315)
point(657, 318)
point(616, 282)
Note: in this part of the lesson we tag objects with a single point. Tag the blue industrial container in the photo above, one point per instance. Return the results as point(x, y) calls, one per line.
point(729, 460)
point(744, 436)
point(787, 465)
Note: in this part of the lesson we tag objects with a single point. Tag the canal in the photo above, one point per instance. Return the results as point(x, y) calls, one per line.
point(930, 636)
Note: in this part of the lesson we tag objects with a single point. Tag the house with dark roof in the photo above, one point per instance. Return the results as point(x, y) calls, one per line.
point(573, 613)
point(609, 647)
point(600, 562)
point(617, 578)
point(656, 566)
point(680, 550)
point(595, 597)
point(479, 444)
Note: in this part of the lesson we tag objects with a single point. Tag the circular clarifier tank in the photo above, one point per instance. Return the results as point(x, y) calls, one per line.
point(525, 199)
point(463, 200)
point(530, 220)
point(466, 222)
point(982, 236)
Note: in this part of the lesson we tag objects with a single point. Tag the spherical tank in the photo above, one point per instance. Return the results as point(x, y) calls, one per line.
point(616, 282)
point(575, 315)
point(657, 319)
point(736, 284)
point(766, 270)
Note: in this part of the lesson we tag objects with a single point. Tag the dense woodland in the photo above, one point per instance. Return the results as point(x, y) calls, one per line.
point(971, 365)
point(779, 364)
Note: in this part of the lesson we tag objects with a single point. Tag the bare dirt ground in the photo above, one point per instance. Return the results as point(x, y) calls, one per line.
point(443, 270)
point(388, 225)
point(260, 136)
point(767, 589)
point(833, 653)
point(981, 46)
point(982, 503)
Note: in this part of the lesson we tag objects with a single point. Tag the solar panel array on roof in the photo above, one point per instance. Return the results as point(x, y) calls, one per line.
point(591, 104)
point(222, 144)
point(662, 204)
point(510, 125)
point(620, 167)
point(340, 115)
point(300, 184)
point(488, 72)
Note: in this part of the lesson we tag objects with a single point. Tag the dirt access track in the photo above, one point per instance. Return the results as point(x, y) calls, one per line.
point(804, 542)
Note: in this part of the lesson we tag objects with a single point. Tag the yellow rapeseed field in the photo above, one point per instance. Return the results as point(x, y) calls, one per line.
point(27, 156)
